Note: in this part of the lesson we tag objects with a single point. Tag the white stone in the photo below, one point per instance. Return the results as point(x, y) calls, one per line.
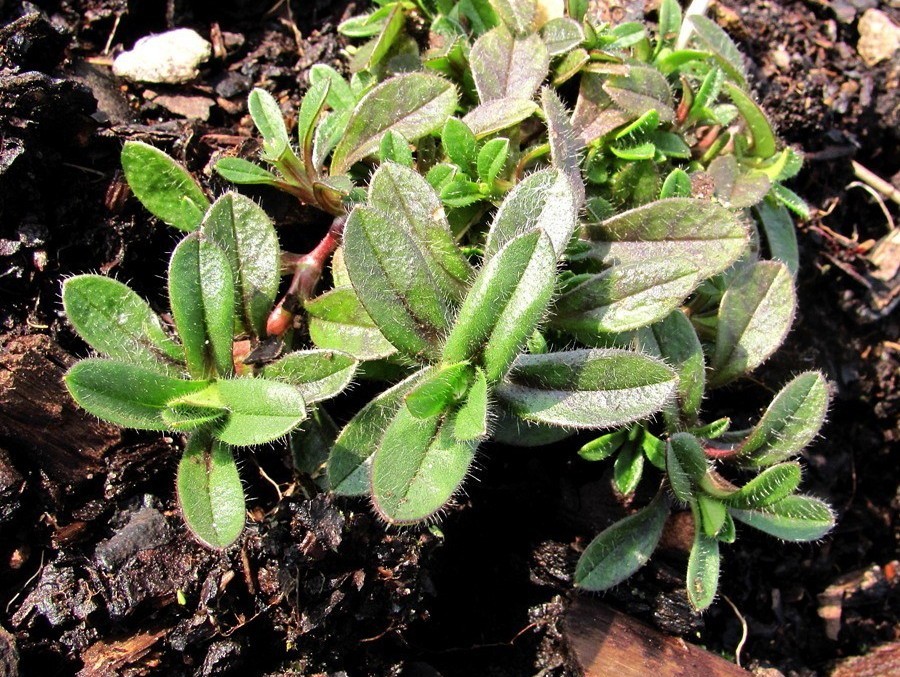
point(171, 57)
point(879, 37)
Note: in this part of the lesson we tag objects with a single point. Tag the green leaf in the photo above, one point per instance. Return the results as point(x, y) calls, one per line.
point(727, 534)
point(623, 548)
point(793, 518)
point(703, 567)
point(338, 321)
point(735, 187)
point(518, 15)
point(625, 297)
point(492, 159)
point(318, 374)
point(125, 394)
point(791, 200)
point(686, 465)
point(701, 231)
point(269, 120)
point(187, 418)
point(471, 419)
point(365, 25)
point(712, 514)
point(790, 423)
point(722, 47)
point(754, 317)
point(507, 300)
point(351, 457)
point(391, 274)
point(417, 467)
point(499, 114)
point(311, 443)
point(654, 449)
point(480, 14)
point(761, 133)
point(387, 37)
point(595, 115)
point(415, 209)
point(118, 323)
point(440, 390)
point(201, 295)
point(259, 410)
point(669, 21)
point(641, 89)
point(244, 232)
point(677, 184)
point(459, 143)
point(569, 66)
point(770, 486)
point(340, 97)
point(781, 235)
point(604, 446)
point(597, 388)
point(562, 35)
point(310, 109)
point(565, 146)
point(163, 186)
point(413, 104)
point(210, 493)
point(505, 66)
point(627, 469)
point(243, 172)
point(542, 200)
point(394, 148)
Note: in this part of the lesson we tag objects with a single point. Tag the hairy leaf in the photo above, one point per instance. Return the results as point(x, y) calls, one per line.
point(201, 295)
point(269, 120)
point(519, 15)
point(791, 422)
point(118, 323)
point(562, 35)
point(128, 395)
point(318, 374)
point(623, 548)
point(781, 235)
point(340, 97)
point(491, 159)
point(210, 493)
point(736, 187)
point(243, 172)
point(770, 486)
point(625, 297)
point(705, 233)
point(505, 304)
point(793, 518)
point(595, 115)
point(338, 321)
point(596, 388)
point(163, 186)
point(723, 48)
point(245, 233)
point(499, 114)
point(471, 419)
point(259, 410)
point(758, 125)
point(505, 66)
point(604, 446)
point(459, 143)
point(703, 567)
point(754, 317)
point(686, 465)
point(440, 390)
point(565, 146)
point(628, 469)
point(413, 104)
point(641, 89)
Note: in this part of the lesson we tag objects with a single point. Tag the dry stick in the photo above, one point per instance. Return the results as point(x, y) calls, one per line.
point(876, 182)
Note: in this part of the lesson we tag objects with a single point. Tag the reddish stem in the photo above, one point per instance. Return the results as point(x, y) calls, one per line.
point(720, 452)
point(307, 273)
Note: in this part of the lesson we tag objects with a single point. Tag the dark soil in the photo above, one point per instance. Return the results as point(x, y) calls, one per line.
point(98, 574)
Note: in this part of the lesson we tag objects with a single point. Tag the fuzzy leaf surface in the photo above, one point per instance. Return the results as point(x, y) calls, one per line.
point(318, 374)
point(543, 200)
point(391, 274)
point(791, 422)
point(562, 35)
point(686, 464)
point(269, 120)
point(565, 146)
point(413, 104)
point(622, 549)
point(626, 297)
point(128, 395)
point(259, 410)
point(770, 486)
point(506, 66)
point(118, 323)
point(338, 321)
point(721, 45)
point(499, 114)
point(163, 186)
point(754, 317)
point(210, 493)
point(793, 518)
point(595, 388)
point(507, 300)
point(703, 232)
point(241, 171)
point(703, 567)
point(781, 235)
point(245, 233)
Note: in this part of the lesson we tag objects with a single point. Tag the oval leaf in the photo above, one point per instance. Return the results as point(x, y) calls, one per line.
point(499, 114)
point(413, 104)
point(623, 548)
point(210, 493)
point(338, 321)
point(793, 518)
point(703, 567)
point(506, 66)
point(770, 486)
point(318, 374)
point(259, 410)
point(754, 317)
point(163, 186)
point(587, 388)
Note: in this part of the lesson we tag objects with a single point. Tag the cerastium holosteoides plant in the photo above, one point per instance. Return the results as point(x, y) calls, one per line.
point(513, 270)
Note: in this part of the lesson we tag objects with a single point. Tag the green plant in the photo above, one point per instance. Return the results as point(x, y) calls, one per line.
point(622, 274)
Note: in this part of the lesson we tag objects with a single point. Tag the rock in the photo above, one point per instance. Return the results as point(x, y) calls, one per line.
point(879, 37)
point(171, 58)
point(190, 107)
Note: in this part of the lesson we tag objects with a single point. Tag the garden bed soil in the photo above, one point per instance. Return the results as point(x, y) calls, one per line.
point(96, 572)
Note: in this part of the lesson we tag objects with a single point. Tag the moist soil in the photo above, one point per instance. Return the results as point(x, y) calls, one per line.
point(97, 575)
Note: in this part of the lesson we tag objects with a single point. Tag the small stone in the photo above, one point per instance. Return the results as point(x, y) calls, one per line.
point(172, 58)
point(879, 37)
point(190, 107)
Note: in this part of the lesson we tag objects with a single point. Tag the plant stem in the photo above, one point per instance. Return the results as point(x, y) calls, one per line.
point(697, 7)
point(307, 273)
